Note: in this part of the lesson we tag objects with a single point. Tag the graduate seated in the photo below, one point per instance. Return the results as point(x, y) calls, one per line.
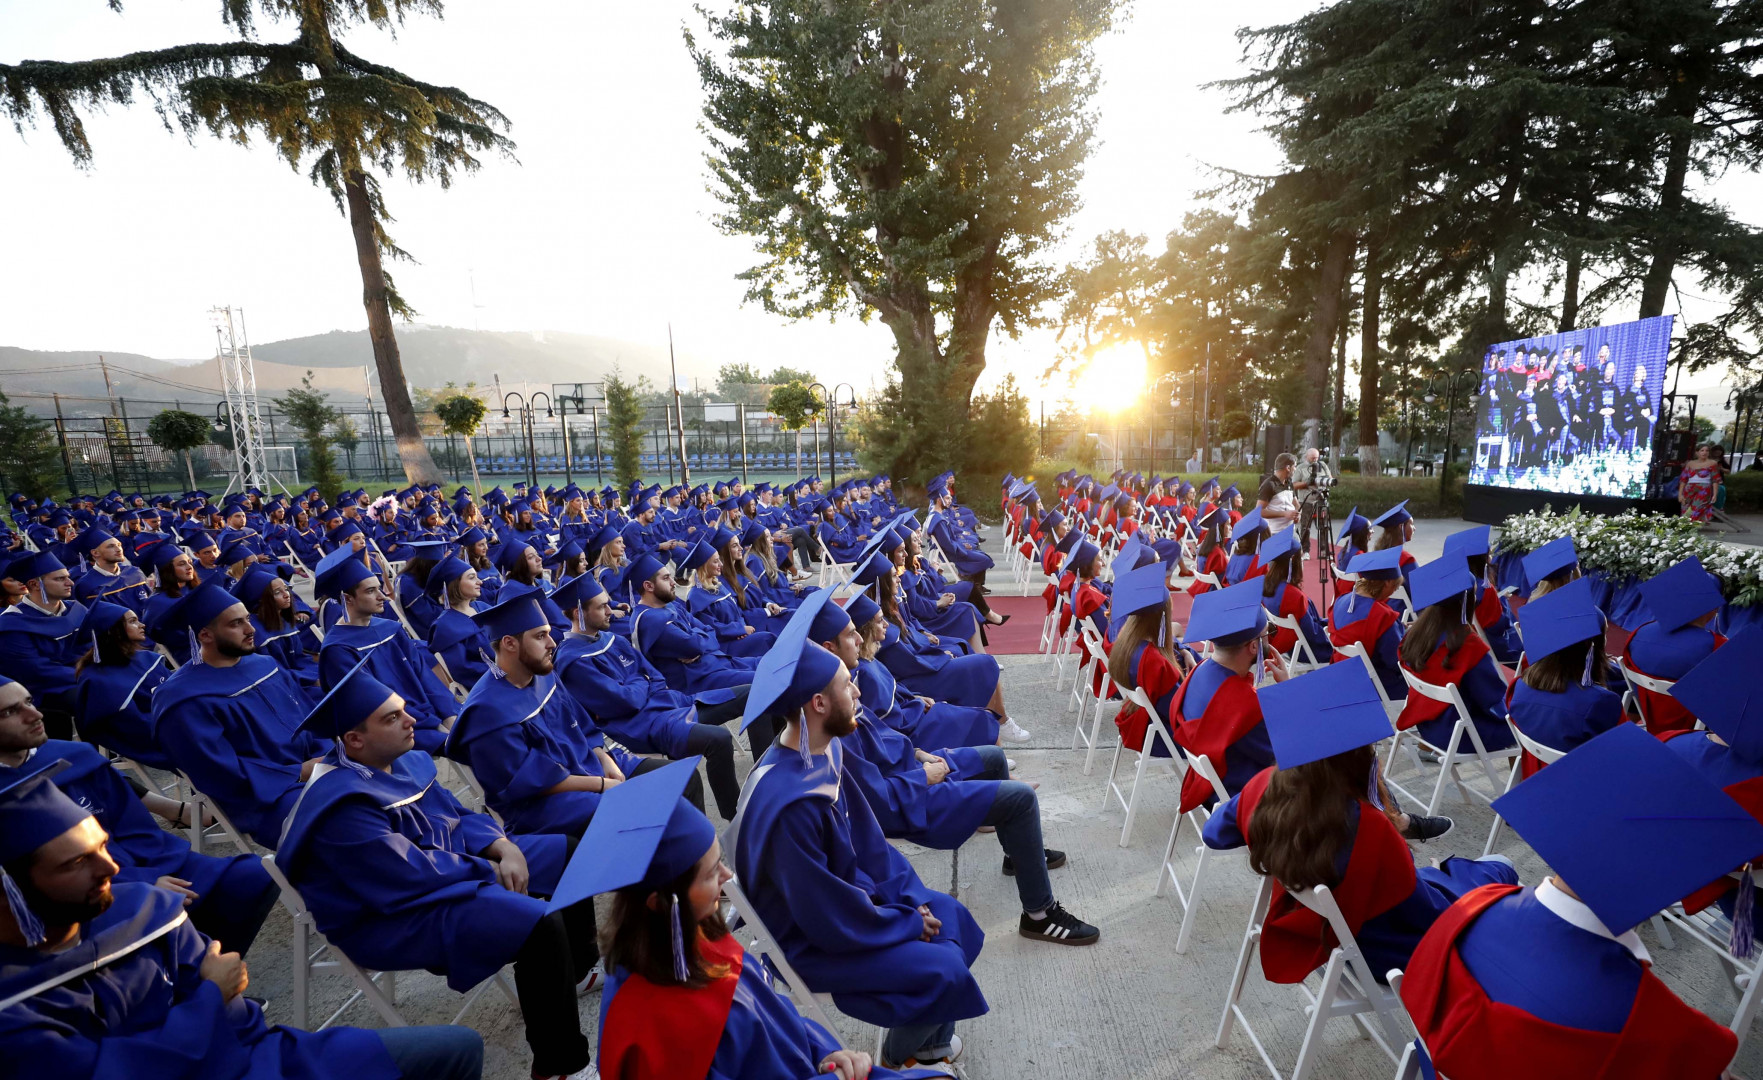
point(924, 720)
point(925, 664)
point(1323, 816)
point(1364, 617)
point(281, 623)
point(939, 798)
point(1143, 653)
point(1211, 554)
point(1556, 701)
point(228, 899)
point(231, 722)
point(1282, 593)
point(1551, 566)
point(1490, 611)
point(361, 633)
point(102, 977)
point(1554, 981)
point(1441, 649)
point(630, 701)
point(1216, 711)
point(962, 551)
point(542, 761)
point(689, 655)
point(108, 575)
point(1246, 536)
point(399, 875)
point(1683, 600)
point(683, 1000)
point(717, 604)
point(1395, 528)
point(37, 644)
point(1354, 540)
point(845, 906)
point(114, 682)
point(454, 638)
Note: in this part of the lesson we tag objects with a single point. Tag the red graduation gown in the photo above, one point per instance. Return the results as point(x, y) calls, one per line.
point(1158, 677)
point(1232, 713)
point(1442, 669)
point(1472, 1037)
point(652, 1030)
point(1665, 715)
point(1215, 563)
point(1365, 632)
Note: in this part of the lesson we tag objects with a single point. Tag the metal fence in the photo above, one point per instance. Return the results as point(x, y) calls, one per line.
point(98, 452)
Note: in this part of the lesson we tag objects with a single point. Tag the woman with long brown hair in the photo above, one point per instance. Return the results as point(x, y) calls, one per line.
point(1440, 648)
point(283, 631)
point(114, 680)
point(719, 605)
point(1145, 653)
point(1557, 701)
point(1395, 528)
point(921, 665)
point(1282, 593)
point(1323, 816)
point(757, 607)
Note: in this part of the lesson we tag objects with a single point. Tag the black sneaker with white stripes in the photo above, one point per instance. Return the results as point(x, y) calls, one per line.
point(1423, 828)
point(1060, 927)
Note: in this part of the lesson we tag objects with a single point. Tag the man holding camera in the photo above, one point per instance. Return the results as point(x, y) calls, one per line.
point(1310, 481)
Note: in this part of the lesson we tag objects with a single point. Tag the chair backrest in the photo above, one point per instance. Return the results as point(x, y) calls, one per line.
point(1321, 900)
point(1644, 682)
point(1202, 764)
point(763, 945)
point(1157, 726)
point(1353, 648)
point(1209, 578)
point(1546, 754)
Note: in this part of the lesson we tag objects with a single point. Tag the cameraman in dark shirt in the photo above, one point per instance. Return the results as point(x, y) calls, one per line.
point(1281, 480)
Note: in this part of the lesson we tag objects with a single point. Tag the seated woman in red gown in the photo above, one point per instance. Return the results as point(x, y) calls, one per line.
point(1322, 816)
point(1683, 601)
point(1282, 593)
point(1354, 540)
point(1364, 617)
point(1440, 649)
point(1553, 981)
point(1210, 554)
point(1395, 528)
point(1216, 711)
point(1246, 537)
point(1490, 610)
point(1144, 653)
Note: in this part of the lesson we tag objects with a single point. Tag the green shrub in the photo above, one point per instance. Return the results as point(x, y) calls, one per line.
point(1744, 492)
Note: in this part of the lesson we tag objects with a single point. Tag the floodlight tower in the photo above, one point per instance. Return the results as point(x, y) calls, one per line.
point(238, 381)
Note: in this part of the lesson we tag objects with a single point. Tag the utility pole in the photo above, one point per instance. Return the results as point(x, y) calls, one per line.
point(1206, 415)
point(685, 470)
point(108, 391)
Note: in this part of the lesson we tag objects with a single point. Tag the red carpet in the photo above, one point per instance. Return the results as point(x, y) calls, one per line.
point(1022, 634)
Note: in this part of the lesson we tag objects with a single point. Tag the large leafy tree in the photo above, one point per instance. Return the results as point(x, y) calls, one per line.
point(910, 160)
point(343, 118)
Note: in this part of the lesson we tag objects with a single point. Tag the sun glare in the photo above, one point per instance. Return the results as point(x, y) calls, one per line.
point(1113, 379)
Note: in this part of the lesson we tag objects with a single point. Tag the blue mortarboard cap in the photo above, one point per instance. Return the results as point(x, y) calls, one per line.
point(91, 538)
point(34, 565)
point(235, 551)
point(339, 572)
point(159, 556)
point(1228, 616)
point(354, 698)
point(1283, 542)
point(1552, 558)
point(254, 584)
point(871, 571)
point(641, 569)
point(642, 833)
point(99, 619)
point(698, 555)
point(1445, 578)
point(428, 549)
point(33, 811)
point(606, 535)
point(1083, 553)
point(565, 552)
point(1250, 522)
point(1395, 515)
point(471, 536)
point(1228, 493)
point(1323, 713)
point(752, 534)
point(829, 622)
point(1567, 616)
point(861, 609)
point(1137, 590)
point(1385, 565)
point(1630, 826)
point(576, 591)
point(199, 607)
point(795, 668)
point(721, 537)
point(511, 554)
point(337, 535)
point(513, 616)
point(1469, 542)
point(1722, 691)
point(449, 569)
point(1681, 594)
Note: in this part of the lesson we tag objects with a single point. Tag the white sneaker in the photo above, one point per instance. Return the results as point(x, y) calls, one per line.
point(1011, 731)
point(1010, 763)
point(592, 981)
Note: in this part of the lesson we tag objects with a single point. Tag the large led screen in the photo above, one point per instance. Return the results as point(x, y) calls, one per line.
point(1573, 412)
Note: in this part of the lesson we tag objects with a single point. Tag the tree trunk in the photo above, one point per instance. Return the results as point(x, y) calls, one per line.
point(419, 467)
point(1337, 260)
point(1570, 291)
point(1335, 435)
point(476, 480)
point(1667, 240)
point(190, 469)
point(1370, 361)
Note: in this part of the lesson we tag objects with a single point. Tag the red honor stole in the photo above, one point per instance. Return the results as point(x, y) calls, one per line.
point(653, 1031)
point(1442, 669)
point(1367, 631)
point(1489, 608)
point(1291, 606)
point(1471, 1035)
point(1216, 563)
point(1295, 941)
point(1232, 713)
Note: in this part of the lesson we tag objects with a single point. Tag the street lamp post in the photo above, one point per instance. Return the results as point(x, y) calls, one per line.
point(832, 429)
point(1462, 382)
point(527, 406)
point(832, 476)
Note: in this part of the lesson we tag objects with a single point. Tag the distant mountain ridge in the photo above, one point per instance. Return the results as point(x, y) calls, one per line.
point(432, 357)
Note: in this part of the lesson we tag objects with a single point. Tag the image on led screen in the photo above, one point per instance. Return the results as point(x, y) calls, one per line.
point(1573, 412)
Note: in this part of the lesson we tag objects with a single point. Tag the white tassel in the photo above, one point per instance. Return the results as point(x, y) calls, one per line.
point(680, 971)
point(29, 926)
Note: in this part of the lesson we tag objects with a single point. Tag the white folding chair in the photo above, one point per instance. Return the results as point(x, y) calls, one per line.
point(1209, 578)
point(1050, 624)
point(1301, 658)
point(1392, 709)
point(1638, 682)
point(1548, 755)
point(1098, 669)
point(1157, 729)
point(1452, 755)
point(1416, 1062)
point(759, 941)
point(830, 568)
point(1189, 898)
point(1713, 929)
point(1407, 612)
point(1083, 687)
point(1347, 986)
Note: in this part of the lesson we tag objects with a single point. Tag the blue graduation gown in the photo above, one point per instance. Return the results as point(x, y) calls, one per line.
point(1485, 693)
point(144, 1012)
point(843, 903)
point(236, 732)
point(293, 647)
point(626, 695)
point(1526, 956)
point(1669, 654)
point(690, 659)
point(1563, 721)
point(145, 851)
point(128, 587)
point(178, 643)
point(1387, 940)
point(520, 742)
point(938, 724)
point(723, 614)
point(959, 620)
point(962, 680)
point(1716, 761)
point(1385, 659)
point(419, 607)
point(402, 664)
point(113, 705)
point(460, 643)
point(965, 554)
point(39, 651)
point(883, 763)
point(390, 865)
point(1248, 754)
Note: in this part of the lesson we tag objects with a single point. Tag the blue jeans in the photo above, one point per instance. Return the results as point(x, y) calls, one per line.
point(441, 1052)
point(1016, 813)
point(906, 1042)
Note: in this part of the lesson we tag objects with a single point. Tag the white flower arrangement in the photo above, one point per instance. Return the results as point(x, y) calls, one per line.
point(1635, 546)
